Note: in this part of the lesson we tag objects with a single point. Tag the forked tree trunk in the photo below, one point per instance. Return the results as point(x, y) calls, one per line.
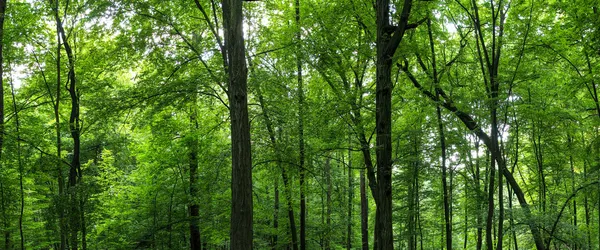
point(388, 40)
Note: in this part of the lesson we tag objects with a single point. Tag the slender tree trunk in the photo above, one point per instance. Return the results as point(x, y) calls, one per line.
point(4, 215)
point(479, 198)
point(59, 165)
point(413, 197)
point(241, 230)
point(350, 202)
point(301, 130)
point(20, 163)
point(328, 204)
point(570, 142)
point(500, 211)
point(194, 209)
point(418, 214)
point(510, 193)
point(364, 212)
point(447, 219)
point(446, 195)
point(466, 230)
point(74, 126)
point(275, 215)
point(290, 208)
point(286, 185)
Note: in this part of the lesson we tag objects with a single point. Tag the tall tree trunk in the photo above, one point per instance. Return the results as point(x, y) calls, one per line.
point(241, 230)
point(75, 127)
point(586, 206)
point(301, 130)
point(447, 218)
point(194, 209)
point(446, 195)
point(479, 218)
point(570, 144)
point(413, 196)
point(388, 40)
point(20, 163)
point(59, 165)
point(290, 208)
point(6, 223)
point(350, 202)
point(286, 185)
point(466, 230)
point(500, 212)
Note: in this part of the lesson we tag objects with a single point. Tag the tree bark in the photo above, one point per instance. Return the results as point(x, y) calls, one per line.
point(286, 184)
point(446, 200)
point(241, 230)
point(387, 43)
point(350, 202)
point(301, 130)
point(364, 212)
point(6, 223)
point(20, 165)
point(75, 127)
point(59, 165)
point(194, 209)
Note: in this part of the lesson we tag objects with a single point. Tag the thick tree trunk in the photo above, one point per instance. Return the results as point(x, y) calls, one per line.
point(241, 230)
point(386, 44)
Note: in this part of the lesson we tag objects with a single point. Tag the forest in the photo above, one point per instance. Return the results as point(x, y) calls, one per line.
point(300, 124)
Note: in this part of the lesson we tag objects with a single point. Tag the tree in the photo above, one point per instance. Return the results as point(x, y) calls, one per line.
point(241, 170)
point(388, 40)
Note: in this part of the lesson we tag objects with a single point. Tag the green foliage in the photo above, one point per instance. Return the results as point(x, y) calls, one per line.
point(152, 87)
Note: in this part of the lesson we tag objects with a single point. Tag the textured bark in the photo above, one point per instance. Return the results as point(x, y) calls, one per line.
point(387, 43)
point(241, 230)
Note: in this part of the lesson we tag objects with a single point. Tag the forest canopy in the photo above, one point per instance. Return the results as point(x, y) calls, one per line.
point(305, 124)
